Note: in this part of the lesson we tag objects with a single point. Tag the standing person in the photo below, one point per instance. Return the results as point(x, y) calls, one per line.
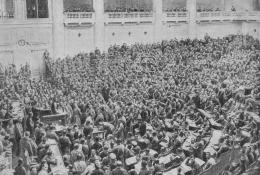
point(18, 132)
point(65, 143)
point(144, 170)
point(27, 149)
point(80, 164)
point(20, 170)
point(76, 115)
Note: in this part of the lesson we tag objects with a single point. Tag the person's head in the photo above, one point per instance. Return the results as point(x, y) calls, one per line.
point(179, 170)
point(79, 157)
point(76, 146)
point(112, 157)
point(49, 153)
point(20, 162)
point(44, 166)
point(119, 164)
point(27, 134)
point(97, 164)
point(144, 164)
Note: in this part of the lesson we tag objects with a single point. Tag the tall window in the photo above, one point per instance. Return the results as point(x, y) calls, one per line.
point(7, 8)
point(37, 8)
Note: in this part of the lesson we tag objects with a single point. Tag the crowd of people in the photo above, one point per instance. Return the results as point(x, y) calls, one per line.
point(129, 10)
point(148, 101)
point(80, 9)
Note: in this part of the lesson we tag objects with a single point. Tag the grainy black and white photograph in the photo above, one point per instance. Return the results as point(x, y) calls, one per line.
point(129, 87)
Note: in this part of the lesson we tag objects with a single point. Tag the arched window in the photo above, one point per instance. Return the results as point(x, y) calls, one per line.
point(37, 8)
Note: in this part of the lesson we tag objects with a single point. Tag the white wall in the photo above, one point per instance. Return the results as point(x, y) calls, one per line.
point(121, 34)
point(251, 28)
point(240, 5)
point(173, 30)
point(219, 29)
point(19, 41)
point(79, 39)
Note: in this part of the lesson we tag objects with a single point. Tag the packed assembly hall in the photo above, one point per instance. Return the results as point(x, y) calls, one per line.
point(129, 87)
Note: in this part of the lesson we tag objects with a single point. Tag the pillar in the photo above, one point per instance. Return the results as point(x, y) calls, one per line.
point(98, 6)
point(192, 11)
point(58, 29)
point(3, 6)
point(20, 9)
point(158, 14)
point(222, 7)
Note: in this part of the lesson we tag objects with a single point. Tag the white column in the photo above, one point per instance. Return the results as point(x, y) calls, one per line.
point(58, 29)
point(192, 10)
point(158, 15)
point(3, 6)
point(20, 10)
point(222, 8)
point(98, 6)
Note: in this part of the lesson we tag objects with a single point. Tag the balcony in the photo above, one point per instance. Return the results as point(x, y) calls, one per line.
point(79, 18)
point(125, 17)
point(228, 16)
point(176, 16)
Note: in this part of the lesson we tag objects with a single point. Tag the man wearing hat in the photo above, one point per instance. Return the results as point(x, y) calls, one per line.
point(119, 170)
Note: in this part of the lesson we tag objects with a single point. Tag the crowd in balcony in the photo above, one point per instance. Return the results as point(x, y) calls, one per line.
point(80, 9)
point(183, 9)
point(208, 9)
point(150, 101)
point(128, 10)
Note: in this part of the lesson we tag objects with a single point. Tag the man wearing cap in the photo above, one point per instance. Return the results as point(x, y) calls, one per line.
point(20, 170)
point(113, 161)
point(88, 128)
point(96, 146)
point(27, 145)
point(104, 153)
point(98, 170)
point(119, 170)
point(18, 133)
point(144, 170)
point(79, 165)
point(65, 143)
point(75, 152)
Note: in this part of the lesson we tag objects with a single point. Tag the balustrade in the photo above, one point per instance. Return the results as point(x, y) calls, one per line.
point(225, 15)
point(167, 16)
point(128, 17)
point(176, 16)
point(79, 17)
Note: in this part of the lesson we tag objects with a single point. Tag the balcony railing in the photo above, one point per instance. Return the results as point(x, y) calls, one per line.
point(222, 16)
point(175, 16)
point(139, 17)
point(123, 17)
point(6, 15)
point(79, 17)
